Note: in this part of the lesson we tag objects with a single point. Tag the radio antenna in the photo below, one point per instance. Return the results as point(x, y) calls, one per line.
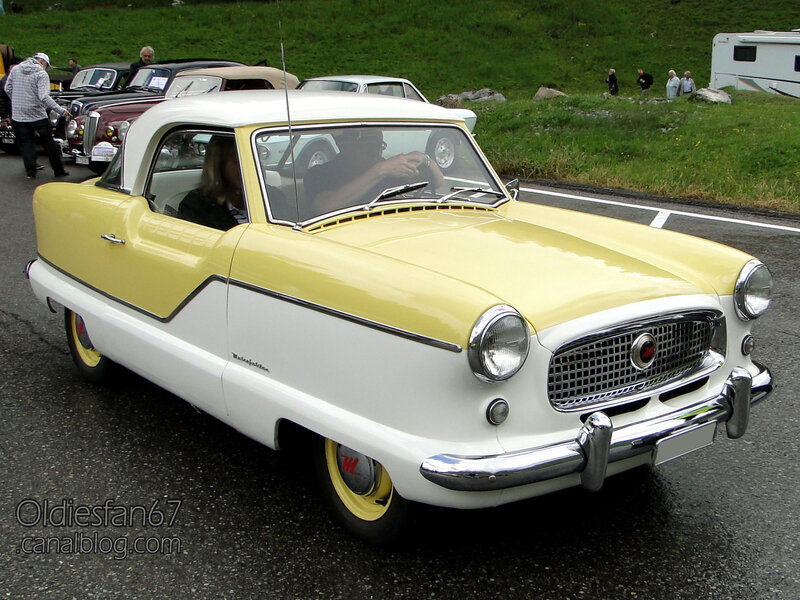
point(289, 123)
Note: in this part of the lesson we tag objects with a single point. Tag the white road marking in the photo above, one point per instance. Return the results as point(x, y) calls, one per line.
point(660, 219)
point(658, 210)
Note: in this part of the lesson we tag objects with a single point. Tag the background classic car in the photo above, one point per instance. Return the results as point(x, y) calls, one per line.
point(434, 341)
point(92, 139)
point(442, 148)
point(98, 79)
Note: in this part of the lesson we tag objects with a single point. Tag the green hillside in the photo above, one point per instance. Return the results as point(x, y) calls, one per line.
point(509, 45)
point(745, 153)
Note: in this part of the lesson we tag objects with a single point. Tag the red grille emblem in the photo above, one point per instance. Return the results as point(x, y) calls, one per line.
point(643, 351)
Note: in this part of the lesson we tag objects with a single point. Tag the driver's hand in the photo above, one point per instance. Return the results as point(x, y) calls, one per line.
point(404, 165)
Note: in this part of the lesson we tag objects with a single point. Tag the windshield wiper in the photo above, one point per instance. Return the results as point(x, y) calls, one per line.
point(395, 191)
point(459, 190)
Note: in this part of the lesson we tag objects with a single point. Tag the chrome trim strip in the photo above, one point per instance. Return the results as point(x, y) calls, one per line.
point(585, 453)
point(90, 131)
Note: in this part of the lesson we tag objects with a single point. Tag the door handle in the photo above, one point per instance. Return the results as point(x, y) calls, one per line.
point(110, 237)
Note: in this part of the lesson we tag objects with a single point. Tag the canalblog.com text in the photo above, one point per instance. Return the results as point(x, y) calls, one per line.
point(35, 515)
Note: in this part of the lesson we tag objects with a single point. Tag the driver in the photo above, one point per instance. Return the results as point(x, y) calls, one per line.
point(359, 173)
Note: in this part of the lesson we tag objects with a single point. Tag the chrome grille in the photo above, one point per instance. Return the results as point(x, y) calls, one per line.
point(89, 131)
point(598, 370)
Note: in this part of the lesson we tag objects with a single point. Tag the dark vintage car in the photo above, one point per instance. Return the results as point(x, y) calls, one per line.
point(93, 139)
point(148, 82)
point(103, 78)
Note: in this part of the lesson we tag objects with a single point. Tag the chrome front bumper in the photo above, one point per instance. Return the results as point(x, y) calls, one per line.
point(597, 443)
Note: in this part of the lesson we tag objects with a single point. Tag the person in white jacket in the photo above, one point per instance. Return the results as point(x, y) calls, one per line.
point(673, 83)
point(28, 87)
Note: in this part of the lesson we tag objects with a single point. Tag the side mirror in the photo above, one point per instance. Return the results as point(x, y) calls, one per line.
point(513, 188)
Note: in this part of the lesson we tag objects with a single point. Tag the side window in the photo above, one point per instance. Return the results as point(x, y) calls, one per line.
point(797, 63)
point(744, 53)
point(196, 177)
point(247, 84)
point(411, 93)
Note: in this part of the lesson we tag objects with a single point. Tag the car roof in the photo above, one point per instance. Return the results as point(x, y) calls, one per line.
point(109, 65)
point(359, 79)
point(191, 63)
point(271, 74)
point(264, 107)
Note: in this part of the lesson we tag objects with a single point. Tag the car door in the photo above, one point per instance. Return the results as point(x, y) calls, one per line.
point(173, 273)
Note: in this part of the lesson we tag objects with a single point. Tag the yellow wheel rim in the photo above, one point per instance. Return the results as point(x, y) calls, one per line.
point(367, 507)
point(83, 345)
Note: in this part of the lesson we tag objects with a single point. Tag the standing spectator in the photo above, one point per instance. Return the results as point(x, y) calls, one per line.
point(28, 87)
point(73, 67)
point(673, 85)
point(645, 80)
point(611, 80)
point(686, 84)
point(146, 55)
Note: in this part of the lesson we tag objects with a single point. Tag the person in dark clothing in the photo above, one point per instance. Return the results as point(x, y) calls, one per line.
point(219, 201)
point(146, 55)
point(611, 80)
point(645, 80)
point(73, 67)
point(5, 101)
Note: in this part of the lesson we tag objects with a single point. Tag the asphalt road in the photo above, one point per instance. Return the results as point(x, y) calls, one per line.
point(247, 523)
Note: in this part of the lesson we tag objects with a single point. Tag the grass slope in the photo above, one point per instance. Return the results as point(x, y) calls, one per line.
point(744, 154)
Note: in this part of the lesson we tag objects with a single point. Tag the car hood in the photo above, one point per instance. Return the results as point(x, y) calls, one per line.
point(550, 269)
point(100, 100)
point(127, 110)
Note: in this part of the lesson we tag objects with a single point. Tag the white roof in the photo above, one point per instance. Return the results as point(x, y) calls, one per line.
point(262, 107)
point(764, 36)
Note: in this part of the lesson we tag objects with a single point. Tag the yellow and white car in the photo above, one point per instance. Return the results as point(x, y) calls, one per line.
point(440, 341)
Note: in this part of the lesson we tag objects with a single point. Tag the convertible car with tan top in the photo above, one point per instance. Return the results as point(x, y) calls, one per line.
point(430, 337)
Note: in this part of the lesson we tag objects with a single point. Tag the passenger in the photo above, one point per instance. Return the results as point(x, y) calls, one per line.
point(359, 173)
point(219, 201)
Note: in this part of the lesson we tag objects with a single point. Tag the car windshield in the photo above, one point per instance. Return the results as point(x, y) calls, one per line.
point(94, 78)
point(319, 172)
point(150, 78)
point(193, 85)
point(328, 85)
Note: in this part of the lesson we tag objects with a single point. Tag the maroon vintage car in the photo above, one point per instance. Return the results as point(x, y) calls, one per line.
point(93, 138)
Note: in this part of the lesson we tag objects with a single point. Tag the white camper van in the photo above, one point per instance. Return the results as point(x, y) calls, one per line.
point(766, 61)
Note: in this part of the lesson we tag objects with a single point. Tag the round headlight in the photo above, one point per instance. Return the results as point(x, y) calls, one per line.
point(753, 291)
point(123, 129)
point(110, 131)
point(72, 127)
point(54, 117)
point(498, 345)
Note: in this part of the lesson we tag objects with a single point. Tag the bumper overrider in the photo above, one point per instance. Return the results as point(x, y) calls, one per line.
point(598, 443)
